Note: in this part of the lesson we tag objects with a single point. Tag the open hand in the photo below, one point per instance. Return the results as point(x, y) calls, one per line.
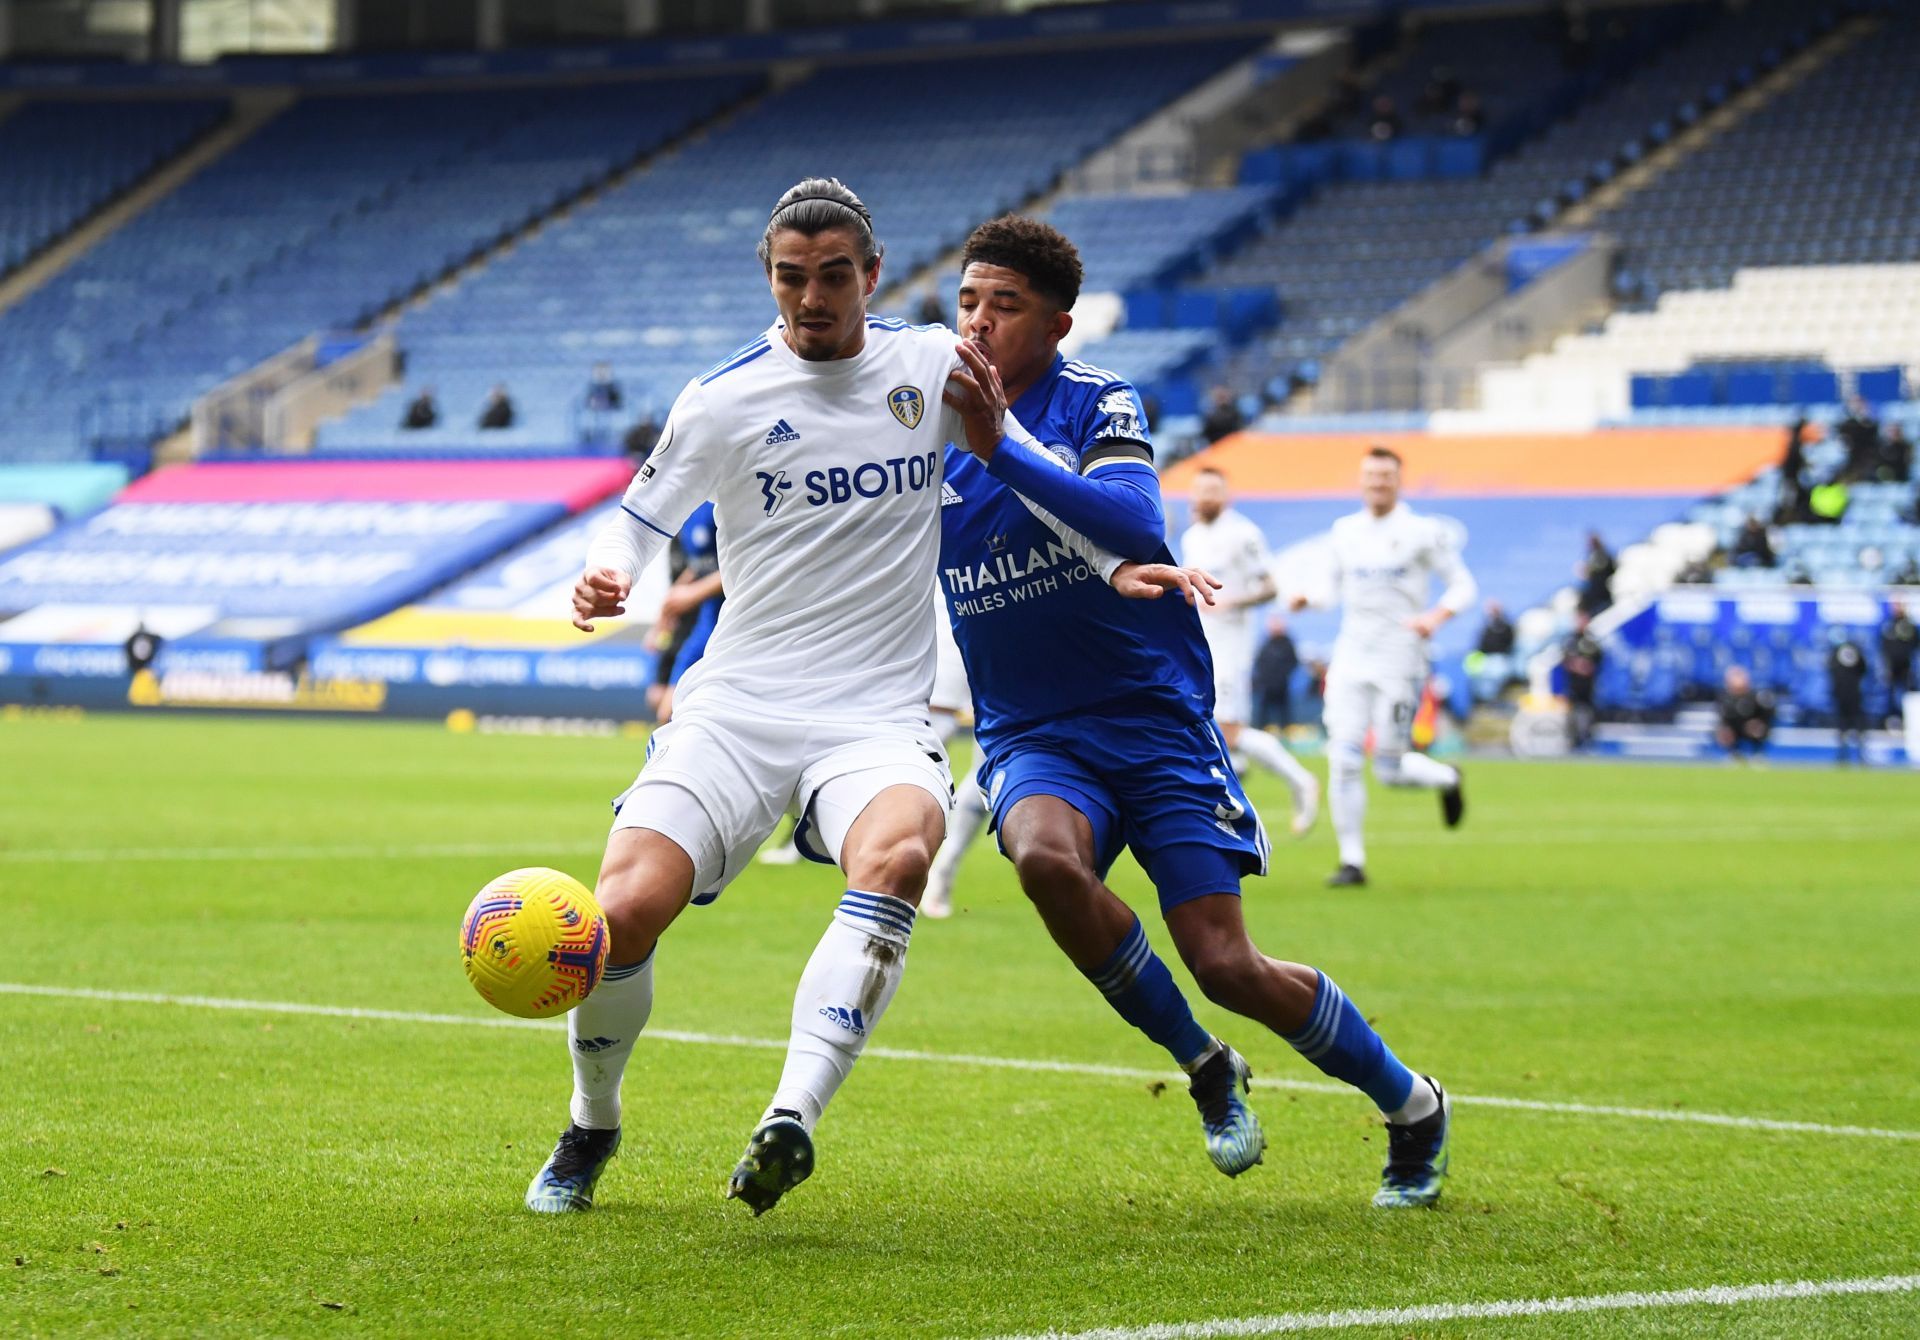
point(1149, 581)
point(977, 393)
point(601, 593)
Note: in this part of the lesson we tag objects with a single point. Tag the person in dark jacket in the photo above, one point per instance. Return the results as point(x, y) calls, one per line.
point(604, 394)
point(1596, 574)
point(423, 411)
point(1847, 677)
point(1796, 484)
point(1580, 661)
point(1273, 667)
point(1496, 634)
point(1223, 416)
point(498, 411)
point(1898, 642)
point(1896, 456)
point(1746, 715)
point(1752, 548)
point(1860, 434)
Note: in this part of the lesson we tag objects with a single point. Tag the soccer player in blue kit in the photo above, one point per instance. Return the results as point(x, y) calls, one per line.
point(1094, 715)
point(696, 596)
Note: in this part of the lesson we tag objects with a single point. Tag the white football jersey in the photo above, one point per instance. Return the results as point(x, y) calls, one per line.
point(1382, 575)
point(1232, 548)
point(825, 479)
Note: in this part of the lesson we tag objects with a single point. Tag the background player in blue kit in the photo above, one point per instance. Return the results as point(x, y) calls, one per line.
point(1107, 740)
point(693, 601)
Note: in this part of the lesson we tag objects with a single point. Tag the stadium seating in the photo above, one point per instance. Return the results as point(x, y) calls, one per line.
point(658, 277)
point(1793, 235)
point(1132, 242)
point(1358, 249)
point(61, 161)
point(332, 210)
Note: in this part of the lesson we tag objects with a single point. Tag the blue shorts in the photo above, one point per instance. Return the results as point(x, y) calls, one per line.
point(1153, 784)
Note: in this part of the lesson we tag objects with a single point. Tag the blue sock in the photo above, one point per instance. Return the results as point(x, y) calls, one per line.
point(1141, 990)
point(1343, 1044)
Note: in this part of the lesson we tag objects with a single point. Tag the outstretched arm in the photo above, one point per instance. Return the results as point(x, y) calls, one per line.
point(676, 478)
point(1460, 587)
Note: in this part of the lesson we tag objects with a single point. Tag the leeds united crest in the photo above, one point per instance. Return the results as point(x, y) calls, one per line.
point(907, 405)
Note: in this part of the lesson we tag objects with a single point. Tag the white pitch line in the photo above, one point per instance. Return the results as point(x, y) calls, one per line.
point(1039, 1065)
point(365, 852)
point(1496, 837)
point(1288, 1323)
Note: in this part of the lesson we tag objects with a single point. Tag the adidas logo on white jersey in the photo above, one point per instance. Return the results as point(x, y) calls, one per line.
point(782, 432)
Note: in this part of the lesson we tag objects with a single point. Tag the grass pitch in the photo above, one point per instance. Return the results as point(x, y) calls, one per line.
point(1654, 938)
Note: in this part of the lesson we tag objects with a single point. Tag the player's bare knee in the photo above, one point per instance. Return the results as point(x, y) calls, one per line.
point(631, 925)
point(897, 867)
point(1051, 873)
point(643, 885)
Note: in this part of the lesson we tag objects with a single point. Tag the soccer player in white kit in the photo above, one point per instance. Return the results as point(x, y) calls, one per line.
point(821, 445)
point(1383, 561)
point(1229, 545)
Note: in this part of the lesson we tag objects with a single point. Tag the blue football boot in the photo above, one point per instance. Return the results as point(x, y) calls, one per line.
point(1235, 1141)
point(779, 1158)
point(1416, 1157)
point(567, 1180)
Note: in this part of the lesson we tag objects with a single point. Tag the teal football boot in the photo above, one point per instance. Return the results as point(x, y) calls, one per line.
point(1235, 1141)
point(567, 1179)
point(1416, 1157)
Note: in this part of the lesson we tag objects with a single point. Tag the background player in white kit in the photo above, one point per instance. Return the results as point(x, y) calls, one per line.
point(1230, 546)
point(1383, 560)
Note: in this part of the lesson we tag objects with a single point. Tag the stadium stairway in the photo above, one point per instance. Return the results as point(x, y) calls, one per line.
point(1802, 205)
point(1742, 107)
point(1347, 261)
point(252, 109)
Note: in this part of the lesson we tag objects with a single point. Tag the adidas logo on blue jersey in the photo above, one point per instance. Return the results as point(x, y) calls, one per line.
point(849, 1019)
point(782, 432)
point(949, 495)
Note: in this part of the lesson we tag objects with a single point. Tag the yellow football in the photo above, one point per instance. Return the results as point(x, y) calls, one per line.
point(534, 942)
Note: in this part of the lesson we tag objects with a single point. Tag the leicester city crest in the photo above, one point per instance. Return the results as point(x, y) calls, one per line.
point(907, 405)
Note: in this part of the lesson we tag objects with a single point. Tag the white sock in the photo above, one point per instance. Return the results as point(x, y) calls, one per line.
point(601, 1032)
point(1347, 802)
point(969, 812)
point(1422, 1102)
point(1419, 770)
point(845, 989)
point(1270, 754)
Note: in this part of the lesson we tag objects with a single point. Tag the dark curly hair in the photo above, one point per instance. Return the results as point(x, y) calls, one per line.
point(1038, 252)
point(813, 206)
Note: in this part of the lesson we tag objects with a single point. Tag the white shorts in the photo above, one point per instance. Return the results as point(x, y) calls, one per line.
point(1384, 704)
point(1232, 693)
point(1231, 651)
point(717, 781)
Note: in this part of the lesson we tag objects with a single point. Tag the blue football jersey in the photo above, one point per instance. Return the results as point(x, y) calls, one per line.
point(700, 542)
point(700, 546)
point(1042, 635)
